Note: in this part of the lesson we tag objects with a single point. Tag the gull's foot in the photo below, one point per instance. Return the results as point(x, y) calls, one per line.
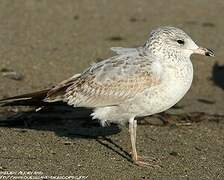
point(147, 162)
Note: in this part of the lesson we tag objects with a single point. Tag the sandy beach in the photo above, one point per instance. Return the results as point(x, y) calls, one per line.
point(45, 42)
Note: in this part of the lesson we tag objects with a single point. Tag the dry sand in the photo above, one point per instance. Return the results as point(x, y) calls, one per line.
point(48, 41)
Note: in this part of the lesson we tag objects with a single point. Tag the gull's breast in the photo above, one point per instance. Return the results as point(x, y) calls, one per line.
point(175, 83)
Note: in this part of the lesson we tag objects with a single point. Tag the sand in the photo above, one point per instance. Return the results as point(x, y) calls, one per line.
point(47, 41)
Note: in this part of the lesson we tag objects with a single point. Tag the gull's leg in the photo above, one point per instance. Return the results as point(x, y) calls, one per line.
point(135, 129)
point(137, 159)
point(132, 131)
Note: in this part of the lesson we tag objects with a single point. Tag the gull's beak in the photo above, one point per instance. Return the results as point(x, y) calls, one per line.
point(204, 51)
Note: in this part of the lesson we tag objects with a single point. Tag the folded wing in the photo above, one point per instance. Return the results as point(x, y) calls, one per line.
point(108, 83)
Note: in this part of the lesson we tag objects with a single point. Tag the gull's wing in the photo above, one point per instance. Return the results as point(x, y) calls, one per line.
point(109, 82)
point(121, 50)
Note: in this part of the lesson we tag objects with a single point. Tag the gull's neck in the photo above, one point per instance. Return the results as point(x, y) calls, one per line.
point(169, 57)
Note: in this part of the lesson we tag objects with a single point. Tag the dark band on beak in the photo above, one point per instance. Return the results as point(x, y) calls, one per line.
point(209, 52)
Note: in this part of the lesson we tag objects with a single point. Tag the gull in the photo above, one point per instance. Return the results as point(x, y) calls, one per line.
point(136, 82)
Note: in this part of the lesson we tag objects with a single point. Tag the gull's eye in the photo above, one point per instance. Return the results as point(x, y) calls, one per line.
point(180, 41)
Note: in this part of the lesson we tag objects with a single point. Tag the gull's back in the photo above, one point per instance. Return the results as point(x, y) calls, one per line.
point(110, 82)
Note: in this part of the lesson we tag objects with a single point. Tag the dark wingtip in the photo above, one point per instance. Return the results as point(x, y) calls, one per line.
point(210, 52)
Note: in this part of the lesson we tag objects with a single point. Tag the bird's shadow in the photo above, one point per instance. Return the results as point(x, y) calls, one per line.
point(75, 123)
point(68, 122)
point(218, 75)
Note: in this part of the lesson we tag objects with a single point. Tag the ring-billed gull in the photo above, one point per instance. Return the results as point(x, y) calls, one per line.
point(136, 82)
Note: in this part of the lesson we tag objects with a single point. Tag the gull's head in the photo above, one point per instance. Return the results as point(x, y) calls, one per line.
point(174, 42)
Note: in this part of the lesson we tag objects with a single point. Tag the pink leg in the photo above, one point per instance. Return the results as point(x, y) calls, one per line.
point(136, 159)
point(132, 131)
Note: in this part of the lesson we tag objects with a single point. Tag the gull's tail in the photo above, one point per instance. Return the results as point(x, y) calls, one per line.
point(41, 98)
point(30, 99)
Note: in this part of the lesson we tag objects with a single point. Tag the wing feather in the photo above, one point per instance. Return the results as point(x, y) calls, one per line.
point(109, 82)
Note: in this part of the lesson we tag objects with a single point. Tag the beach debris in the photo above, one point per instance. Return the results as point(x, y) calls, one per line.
point(11, 74)
point(115, 38)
